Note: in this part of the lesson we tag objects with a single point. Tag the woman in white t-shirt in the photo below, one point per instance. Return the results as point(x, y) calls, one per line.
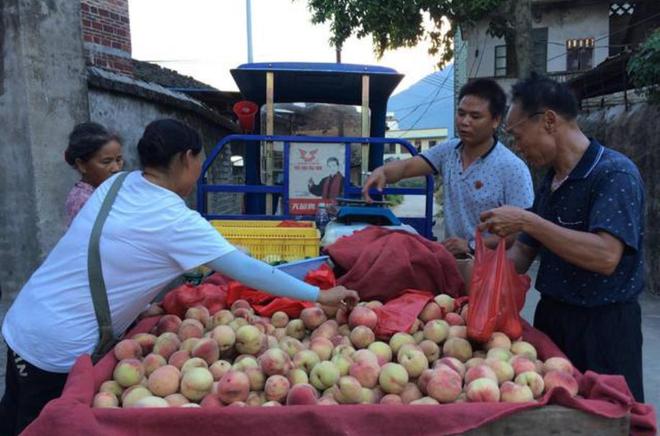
point(149, 238)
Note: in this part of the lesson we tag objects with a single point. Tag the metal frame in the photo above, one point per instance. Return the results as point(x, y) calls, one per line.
point(424, 225)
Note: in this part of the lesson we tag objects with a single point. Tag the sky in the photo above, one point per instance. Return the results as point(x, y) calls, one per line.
point(206, 38)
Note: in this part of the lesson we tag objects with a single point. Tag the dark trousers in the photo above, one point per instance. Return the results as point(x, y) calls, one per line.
point(27, 390)
point(605, 339)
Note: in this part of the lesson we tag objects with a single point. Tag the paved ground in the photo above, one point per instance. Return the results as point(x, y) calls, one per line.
point(650, 320)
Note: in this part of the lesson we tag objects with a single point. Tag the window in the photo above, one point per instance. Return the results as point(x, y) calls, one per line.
point(432, 143)
point(500, 61)
point(418, 145)
point(579, 54)
point(540, 49)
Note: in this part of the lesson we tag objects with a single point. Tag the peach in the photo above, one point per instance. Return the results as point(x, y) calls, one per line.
point(342, 363)
point(454, 319)
point(256, 377)
point(382, 351)
point(483, 390)
point(306, 360)
point(245, 313)
point(244, 361)
point(326, 401)
point(312, 317)
point(128, 372)
point(452, 363)
point(418, 336)
point(444, 385)
point(498, 340)
point(503, 370)
point(431, 311)
point(416, 326)
point(301, 394)
point(514, 393)
point(373, 304)
point(248, 339)
point(222, 317)
point(458, 348)
point(533, 380)
point(297, 376)
point(190, 328)
point(237, 323)
point(133, 395)
point(113, 387)
point(176, 400)
point(168, 323)
point(393, 378)
point(279, 319)
point(410, 393)
point(196, 382)
point(177, 359)
point(164, 381)
point(224, 336)
point(296, 329)
point(344, 330)
point(446, 302)
point(128, 349)
point(271, 404)
point(322, 347)
point(368, 396)
point(560, 379)
point(361, 336)
point(240, 303)
point(146, 341)
point(366, 371)
point(425, 401)
point(475, 361)
point(348, 390)
point(219, 368)
point(345, 350)
point(391, 399)
point(255, 399)
point(480, 371)
point(399, 339)
point(558, 364)
point(338, 340)
point(436, 330)
point(499, 354)
point(151, 401)
point(363, 316)
point(276, 388)
point(413, 360)
point(524, 348)
point(210, 401)
point(105, 400)
point(190, 405)
point(274, 361)
point(521, 364)
point(457, 331)
point(189, 344)
point(324, 375)
point(151, 362)
point(430, 349)
point(233, 386)
point(194, 362)
point(207, 349)
point(200, 313)
point(166, 344)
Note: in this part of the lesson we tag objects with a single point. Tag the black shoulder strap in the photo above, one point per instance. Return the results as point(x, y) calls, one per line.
point(95, 273)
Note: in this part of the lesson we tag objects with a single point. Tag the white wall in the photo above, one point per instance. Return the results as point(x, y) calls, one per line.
point(587, 21)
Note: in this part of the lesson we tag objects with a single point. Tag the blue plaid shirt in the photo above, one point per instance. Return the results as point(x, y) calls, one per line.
point(604, 192)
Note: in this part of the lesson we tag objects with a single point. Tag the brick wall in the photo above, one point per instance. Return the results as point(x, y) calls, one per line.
point(107, 34)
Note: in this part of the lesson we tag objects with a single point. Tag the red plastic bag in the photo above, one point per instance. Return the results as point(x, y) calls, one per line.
point(323, 277)
point(399, 314)
point(211, 296)
point(265, 304)
point(497, 294)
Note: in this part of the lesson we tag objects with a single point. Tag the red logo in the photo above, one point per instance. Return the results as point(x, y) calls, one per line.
point(308, 156)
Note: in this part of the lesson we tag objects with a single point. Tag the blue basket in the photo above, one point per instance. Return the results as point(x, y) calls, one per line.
point(300, 268)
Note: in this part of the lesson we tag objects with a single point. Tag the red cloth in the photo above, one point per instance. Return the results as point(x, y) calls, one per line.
point(399, 314)
point(606, 396)
point(382, 263)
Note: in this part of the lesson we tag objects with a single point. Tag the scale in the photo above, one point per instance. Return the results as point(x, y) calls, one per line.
point(354, 214)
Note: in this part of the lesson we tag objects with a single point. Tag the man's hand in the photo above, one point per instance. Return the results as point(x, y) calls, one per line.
point(504, 221)
point(339, 296)
point(456, 246)
point(376, 180)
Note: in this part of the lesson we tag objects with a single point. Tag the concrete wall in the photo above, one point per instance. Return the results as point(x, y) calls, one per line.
point(129, 115)
point(563, 23)
point(43, 93)
point(631, 133)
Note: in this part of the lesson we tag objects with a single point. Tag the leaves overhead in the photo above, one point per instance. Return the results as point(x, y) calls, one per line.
point(644, 67)
point(401, 23)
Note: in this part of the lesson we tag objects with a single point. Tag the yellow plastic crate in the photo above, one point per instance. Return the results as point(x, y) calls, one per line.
point(268, 242)
point(257, 223)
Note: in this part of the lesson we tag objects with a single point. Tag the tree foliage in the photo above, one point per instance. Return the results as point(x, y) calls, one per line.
point(644, 67)
point(400, 23)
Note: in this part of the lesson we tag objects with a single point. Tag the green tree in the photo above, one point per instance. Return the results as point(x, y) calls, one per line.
point(644, 67)
point(400, 23)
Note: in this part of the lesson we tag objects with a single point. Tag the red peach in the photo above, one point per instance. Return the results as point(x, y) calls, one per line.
point(146, 341)
point(168, 323)
point(364, 316)
point(560, 379)
point(483, 390)
point(276, 388)
point(313, 317)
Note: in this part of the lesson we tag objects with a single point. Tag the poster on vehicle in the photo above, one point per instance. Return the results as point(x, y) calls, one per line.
point(316, 174)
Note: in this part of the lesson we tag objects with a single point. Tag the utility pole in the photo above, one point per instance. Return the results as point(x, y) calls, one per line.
point(248, 14)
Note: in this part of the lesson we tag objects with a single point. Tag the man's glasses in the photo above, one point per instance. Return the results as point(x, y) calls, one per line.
point(507, 128)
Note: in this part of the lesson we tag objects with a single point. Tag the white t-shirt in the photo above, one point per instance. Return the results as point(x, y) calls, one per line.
point(149, 238)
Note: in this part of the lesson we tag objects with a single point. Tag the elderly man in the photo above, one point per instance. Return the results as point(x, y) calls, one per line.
point(587, 226)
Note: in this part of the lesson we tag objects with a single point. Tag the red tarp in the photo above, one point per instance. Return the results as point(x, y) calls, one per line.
point(382, 263)
point(71, 414)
